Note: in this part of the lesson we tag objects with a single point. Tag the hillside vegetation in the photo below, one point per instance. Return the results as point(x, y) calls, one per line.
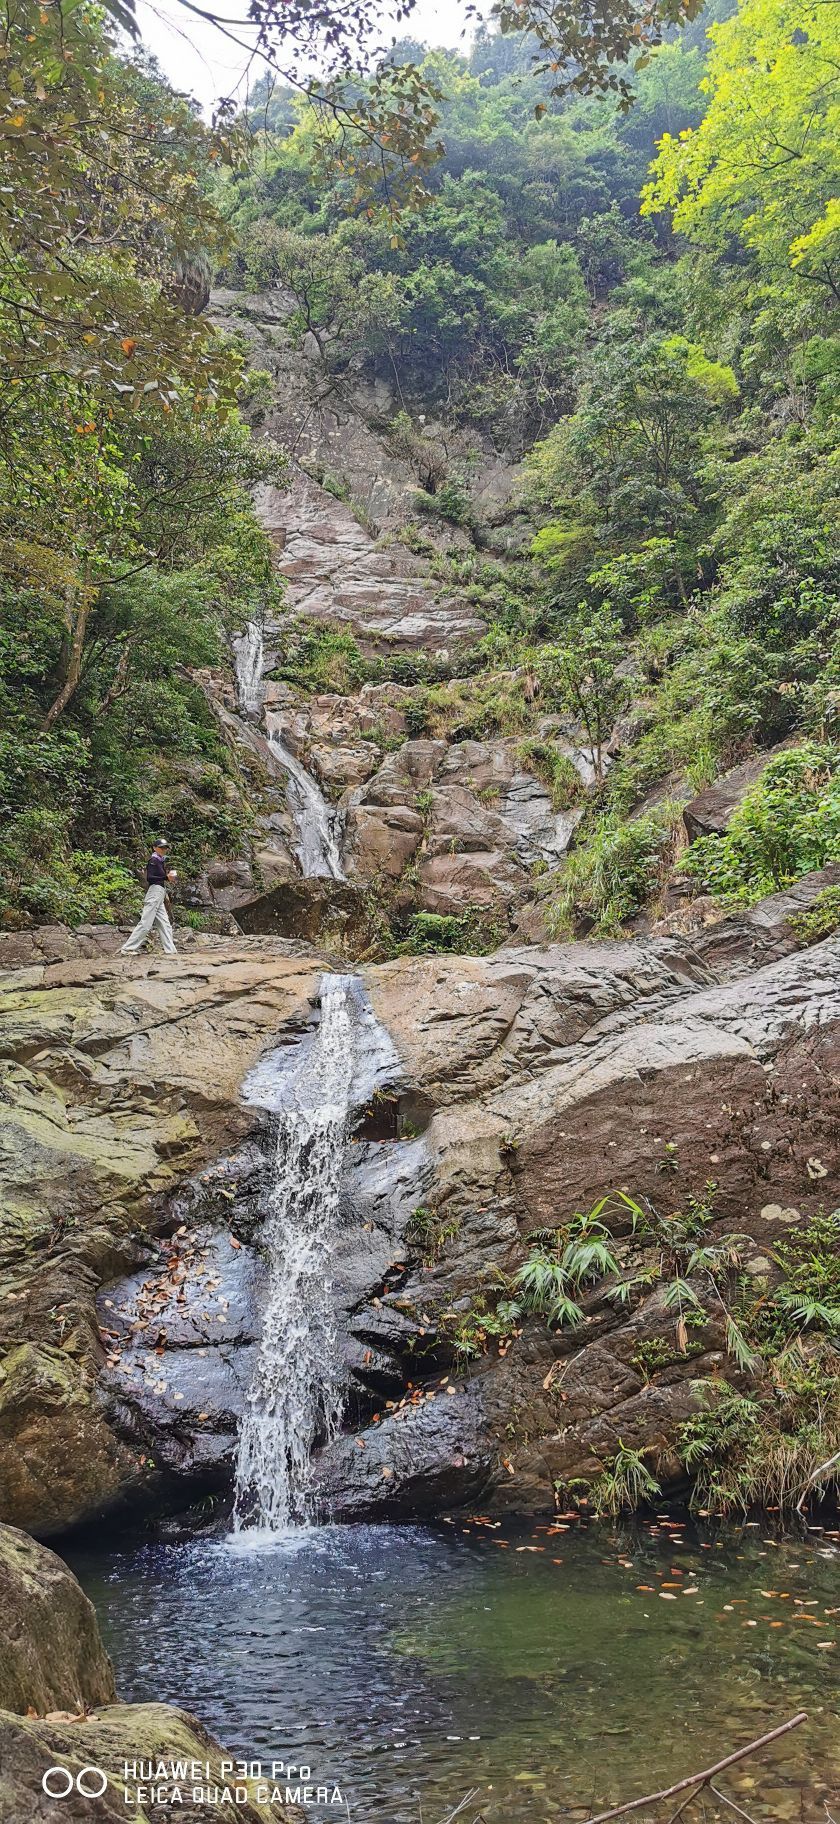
point(639, 307)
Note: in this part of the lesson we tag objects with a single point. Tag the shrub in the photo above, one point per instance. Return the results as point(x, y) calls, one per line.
point(474, 933)
point(787, 825)
point(614, 873)
point(417, 712)
point(322, 658)
point(45, 880)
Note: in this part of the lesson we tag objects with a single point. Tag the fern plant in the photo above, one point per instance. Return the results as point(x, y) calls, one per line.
point(565, 1262)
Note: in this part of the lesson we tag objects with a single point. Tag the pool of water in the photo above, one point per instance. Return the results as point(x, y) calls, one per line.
point(556, 1670)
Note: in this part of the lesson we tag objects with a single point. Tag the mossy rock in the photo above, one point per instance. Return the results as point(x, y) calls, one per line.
point(102, 1744)
point(52, 1656)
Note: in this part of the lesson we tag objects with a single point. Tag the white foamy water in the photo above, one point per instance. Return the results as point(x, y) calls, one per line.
point(296, 1393)
point(316, 847)
point(249, 655)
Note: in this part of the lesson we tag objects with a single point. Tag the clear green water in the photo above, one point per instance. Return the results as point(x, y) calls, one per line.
point(411, 1664)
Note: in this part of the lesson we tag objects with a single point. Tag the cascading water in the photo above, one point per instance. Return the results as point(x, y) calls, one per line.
point(249, 654)
point(296, 1396)
point(317, 844)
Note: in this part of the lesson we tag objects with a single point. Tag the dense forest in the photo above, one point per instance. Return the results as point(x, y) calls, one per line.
point(637, 304)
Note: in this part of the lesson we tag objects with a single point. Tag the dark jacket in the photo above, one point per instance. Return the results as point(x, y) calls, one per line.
point(156, 871)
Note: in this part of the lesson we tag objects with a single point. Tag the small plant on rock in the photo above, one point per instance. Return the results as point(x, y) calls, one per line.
point(625, 1484)
point(564, 1262)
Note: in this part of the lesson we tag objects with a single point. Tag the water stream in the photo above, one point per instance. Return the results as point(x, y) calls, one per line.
point(296, 1397)
point(316, 847)
point(249, 656)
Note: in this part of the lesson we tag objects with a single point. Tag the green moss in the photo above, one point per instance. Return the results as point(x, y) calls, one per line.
point(820, 920)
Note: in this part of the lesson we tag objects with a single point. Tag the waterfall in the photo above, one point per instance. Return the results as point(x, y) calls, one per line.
point(249, 654)
point(317, 847)
point(296, 1395)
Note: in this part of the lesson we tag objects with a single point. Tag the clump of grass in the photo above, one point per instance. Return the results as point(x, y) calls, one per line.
point(555, 769)
point(615, 871)
point(765, 1448)
point(624, 1484)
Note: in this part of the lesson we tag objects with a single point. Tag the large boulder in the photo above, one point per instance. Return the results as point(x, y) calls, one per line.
point(52, 1656)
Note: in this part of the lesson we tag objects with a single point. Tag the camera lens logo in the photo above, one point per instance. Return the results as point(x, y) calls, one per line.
point(59, 1782)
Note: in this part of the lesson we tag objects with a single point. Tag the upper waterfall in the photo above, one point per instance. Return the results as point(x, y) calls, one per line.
point(295, 1397)
point(249, 656)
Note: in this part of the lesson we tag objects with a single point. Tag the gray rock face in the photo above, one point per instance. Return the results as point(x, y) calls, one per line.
point(336, 572)
point(708, 814)
point(468, 815)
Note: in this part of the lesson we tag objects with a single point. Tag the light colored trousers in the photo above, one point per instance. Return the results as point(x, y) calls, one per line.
point(154, 913)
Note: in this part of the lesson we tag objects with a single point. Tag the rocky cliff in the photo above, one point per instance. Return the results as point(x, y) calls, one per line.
point(522, 1088)
point(446, 803)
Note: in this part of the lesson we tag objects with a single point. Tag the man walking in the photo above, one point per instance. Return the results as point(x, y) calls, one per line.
point(154, 911)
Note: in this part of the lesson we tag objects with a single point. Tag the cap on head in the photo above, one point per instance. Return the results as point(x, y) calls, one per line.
point(161, 843)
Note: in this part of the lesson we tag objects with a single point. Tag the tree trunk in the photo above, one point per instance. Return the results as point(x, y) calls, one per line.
point(85, 596)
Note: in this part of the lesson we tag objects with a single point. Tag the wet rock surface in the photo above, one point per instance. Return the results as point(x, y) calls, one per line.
point(119, 1077)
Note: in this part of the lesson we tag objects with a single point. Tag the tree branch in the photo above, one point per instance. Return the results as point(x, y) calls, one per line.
point(701, 1779)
